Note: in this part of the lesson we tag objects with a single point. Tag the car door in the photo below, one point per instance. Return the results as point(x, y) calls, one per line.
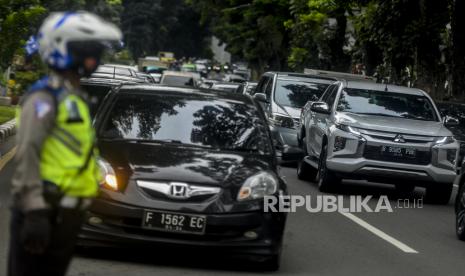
point(318, 123)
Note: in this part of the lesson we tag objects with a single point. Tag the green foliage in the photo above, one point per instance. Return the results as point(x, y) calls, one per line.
point(17, 21)
point(6, 113)
point(166, 25)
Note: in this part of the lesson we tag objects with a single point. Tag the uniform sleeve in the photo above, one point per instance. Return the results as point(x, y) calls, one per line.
point(36, 123)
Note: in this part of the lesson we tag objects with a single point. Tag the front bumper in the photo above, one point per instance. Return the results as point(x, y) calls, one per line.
point(356, 159)
point(373, 170)
point(121, 227)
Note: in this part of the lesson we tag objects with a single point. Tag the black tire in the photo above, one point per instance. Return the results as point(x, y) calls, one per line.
point(305, 171)
point(460, 213)
point(327, 180)
point(438, 193)
point(272, 263)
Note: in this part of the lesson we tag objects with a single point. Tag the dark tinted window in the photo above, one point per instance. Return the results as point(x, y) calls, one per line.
point(197, 121)
point(389, 104)
point(178, 81)
point(96, 94)
point(296, 93)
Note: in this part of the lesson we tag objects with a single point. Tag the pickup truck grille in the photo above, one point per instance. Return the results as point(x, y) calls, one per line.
point(374, 153)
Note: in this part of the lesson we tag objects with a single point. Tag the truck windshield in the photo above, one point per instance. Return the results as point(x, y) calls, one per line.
point(295, 93)
point(389, 104)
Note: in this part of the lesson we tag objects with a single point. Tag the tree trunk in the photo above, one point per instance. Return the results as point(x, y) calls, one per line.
point(458, 48)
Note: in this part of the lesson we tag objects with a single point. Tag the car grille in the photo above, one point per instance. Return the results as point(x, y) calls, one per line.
point(390, 136)
point(374, 153)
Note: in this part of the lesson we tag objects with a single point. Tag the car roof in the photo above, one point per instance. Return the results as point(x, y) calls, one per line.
point(226, 84)
point(383, 87)
point(186, 91)
point(178, 73)
point(303, 77)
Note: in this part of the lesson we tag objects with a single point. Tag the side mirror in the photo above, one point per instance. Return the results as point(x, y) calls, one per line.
point(320, 107)
point(451, 121)
point(260, 97)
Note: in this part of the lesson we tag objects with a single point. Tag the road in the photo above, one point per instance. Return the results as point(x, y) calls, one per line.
point(315, 243)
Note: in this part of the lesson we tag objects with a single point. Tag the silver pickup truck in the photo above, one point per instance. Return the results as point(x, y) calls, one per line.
point(381, 133)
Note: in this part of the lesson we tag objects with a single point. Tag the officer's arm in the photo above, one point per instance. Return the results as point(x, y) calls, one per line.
point(36, 123)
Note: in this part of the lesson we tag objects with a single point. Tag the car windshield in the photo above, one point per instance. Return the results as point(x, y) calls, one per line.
point(178, 80)
point(296, 93)
point(390, 104)
point(191, 121)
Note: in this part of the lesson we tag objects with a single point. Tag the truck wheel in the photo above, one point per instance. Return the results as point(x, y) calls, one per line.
point(438, 193)
point(460, 213)
point(305, 171)
point(327, 180)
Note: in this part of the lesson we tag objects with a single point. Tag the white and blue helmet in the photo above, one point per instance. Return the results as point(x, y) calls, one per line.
point(62, 28)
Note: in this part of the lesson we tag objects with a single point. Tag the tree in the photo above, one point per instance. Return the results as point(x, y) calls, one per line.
point(18, 20)
point(252, 30)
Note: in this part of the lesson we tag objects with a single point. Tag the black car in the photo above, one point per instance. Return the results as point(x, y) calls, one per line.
point(186, 167)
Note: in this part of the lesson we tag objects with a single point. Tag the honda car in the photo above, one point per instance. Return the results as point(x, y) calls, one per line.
point(186, 167)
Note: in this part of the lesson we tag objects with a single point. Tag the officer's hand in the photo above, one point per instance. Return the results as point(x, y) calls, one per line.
point(35, 231)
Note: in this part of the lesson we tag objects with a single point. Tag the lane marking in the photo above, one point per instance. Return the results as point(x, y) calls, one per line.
point(7, 157)
point(402, 246)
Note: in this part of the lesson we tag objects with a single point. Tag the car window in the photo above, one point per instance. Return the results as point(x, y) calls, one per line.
point(122, 71)
point(389, 104)
point(269, 88)
point(196, 121)
point(261, 85)
point(326, 93)
point(96, 95)
point(105, 69)
point(178, 80)
point(296, 93)
point(332, 96)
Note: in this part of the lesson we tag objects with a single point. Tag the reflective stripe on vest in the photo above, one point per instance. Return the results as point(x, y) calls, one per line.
point(65, 152)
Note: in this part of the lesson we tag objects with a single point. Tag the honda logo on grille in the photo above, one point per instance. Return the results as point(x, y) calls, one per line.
point(178, 190)
point(399, 139)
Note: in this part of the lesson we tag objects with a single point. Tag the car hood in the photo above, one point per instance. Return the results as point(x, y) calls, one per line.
point(177, 163)
point(194, 166)
point(391, 124)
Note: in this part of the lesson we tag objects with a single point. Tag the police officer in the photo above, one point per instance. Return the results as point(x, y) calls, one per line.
point(57, 173)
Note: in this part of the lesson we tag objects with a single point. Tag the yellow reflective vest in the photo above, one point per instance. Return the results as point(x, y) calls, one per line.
point(67, 157)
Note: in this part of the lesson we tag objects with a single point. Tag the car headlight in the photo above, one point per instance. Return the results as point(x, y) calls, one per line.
point(258, 186)
point(444, 140)
point(281, 120)
point(349, 129)
point(109, 176)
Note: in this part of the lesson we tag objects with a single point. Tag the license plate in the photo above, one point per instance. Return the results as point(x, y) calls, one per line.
point(398, 152)
point(174, 222)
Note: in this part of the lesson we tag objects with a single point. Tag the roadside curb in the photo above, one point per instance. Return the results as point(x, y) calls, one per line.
point(7, 129)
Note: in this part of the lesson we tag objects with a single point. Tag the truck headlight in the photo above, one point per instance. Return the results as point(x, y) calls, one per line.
point(444, 140)
point(109, 176)
point(281, 120)
point(451, 155)
point(258, 186)
point(339, 143)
